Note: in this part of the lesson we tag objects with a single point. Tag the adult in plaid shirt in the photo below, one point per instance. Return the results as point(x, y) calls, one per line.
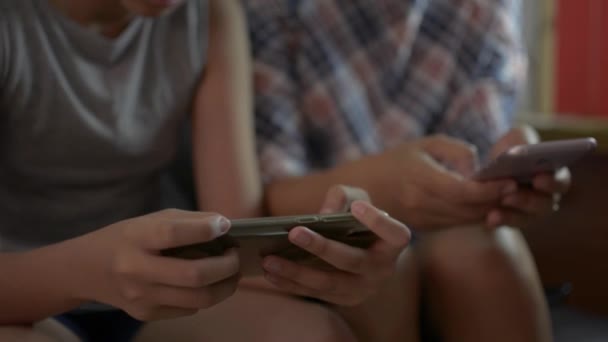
point(401, 98)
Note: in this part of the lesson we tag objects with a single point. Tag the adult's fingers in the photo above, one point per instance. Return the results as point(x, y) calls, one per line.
point(521, 135)
point(502, 217)
point(442, 211)
point(456, 154)
point(339, 198)
point(529, 202)
point(457, 189)
point(558, 182)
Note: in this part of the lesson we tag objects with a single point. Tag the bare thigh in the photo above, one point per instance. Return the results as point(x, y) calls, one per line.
point(483, 286)
point(254, 315)
point(45, 331)
point(265, 315)
point(393, 313)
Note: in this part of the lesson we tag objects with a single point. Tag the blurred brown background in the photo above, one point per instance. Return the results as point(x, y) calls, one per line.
point(568, 98)
point(572, 244)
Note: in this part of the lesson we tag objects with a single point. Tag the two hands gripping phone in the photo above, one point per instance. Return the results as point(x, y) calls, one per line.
point(257, 238)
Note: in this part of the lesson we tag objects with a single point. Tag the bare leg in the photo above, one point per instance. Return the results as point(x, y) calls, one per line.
point(483, 286)
point(393, 314)
point(263, 315)
point(45, 331)
point(254, 315)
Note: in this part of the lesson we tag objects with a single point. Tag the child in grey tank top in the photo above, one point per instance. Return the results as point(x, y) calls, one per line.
point(92, 93)
point(92, 96)
point(88, 122)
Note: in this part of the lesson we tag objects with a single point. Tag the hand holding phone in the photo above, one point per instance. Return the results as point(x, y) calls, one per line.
point(523, 162)
point(259, 237)
point(355, 273)
point(339, 258)
point(542, 169)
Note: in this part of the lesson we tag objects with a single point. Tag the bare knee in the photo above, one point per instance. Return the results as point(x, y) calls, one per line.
point(252, 315)
point(470, 273)
point(473, 259)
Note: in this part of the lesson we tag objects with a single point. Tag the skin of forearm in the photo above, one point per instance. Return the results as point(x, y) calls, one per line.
point(39, 283)
point(224, 149)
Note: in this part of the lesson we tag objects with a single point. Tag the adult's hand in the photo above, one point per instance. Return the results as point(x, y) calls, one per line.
point(427, 183)
point(542, 197)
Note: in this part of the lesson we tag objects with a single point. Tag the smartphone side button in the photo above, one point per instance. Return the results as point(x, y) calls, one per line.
point(332, 219)
point(307, 220)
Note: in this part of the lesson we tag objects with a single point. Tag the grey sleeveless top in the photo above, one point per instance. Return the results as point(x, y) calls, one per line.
point(87, 123)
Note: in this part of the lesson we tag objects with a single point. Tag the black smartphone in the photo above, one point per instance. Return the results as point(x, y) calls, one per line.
point(256, 238)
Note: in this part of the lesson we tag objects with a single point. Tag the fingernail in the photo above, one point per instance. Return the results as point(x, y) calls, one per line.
point(221, 225)
point(358, 208)
point(509, 189)
point(302, 239)
point(272, 266)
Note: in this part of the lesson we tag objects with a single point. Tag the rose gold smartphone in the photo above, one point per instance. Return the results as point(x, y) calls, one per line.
point(524, 161)
point(258, 237)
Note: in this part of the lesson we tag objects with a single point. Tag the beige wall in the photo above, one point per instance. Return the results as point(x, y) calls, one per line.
point(537, 30)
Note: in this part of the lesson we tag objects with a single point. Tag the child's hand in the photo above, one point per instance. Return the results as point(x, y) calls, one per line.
point(124, 267)
point(358, 273)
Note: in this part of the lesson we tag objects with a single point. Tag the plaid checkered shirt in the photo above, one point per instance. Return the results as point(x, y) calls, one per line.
point(338, 79)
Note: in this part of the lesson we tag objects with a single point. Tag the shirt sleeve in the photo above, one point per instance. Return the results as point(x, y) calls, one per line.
point(484, 90)
point(280, 140)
